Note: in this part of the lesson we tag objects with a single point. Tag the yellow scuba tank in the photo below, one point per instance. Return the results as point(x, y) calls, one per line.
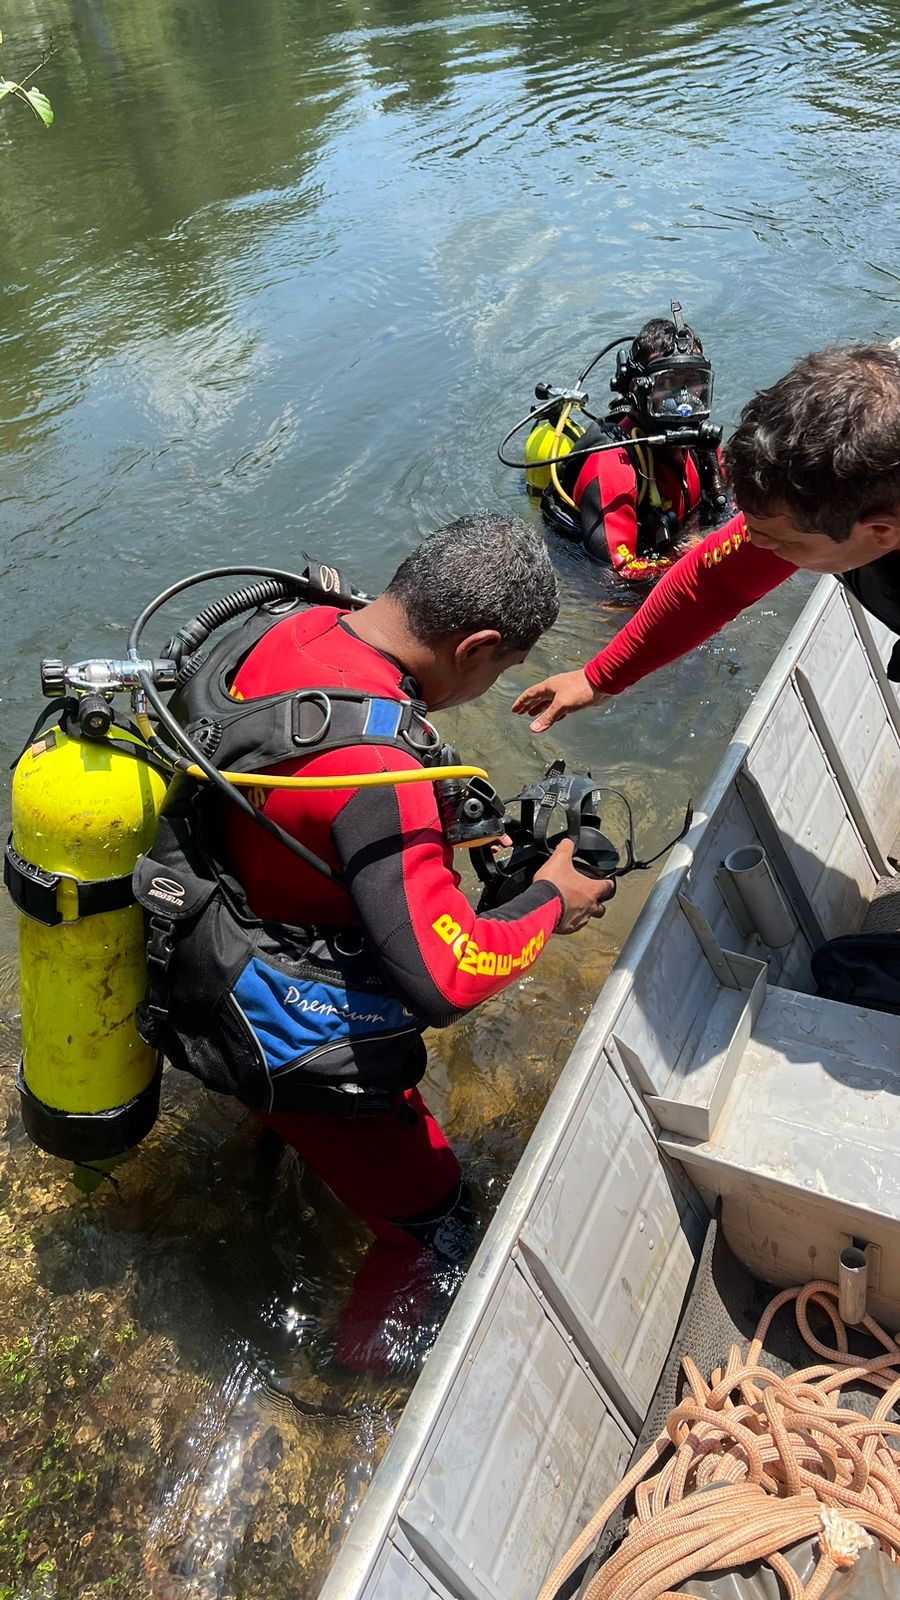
point(86, 800)
point(542, 444)
point(82, 813)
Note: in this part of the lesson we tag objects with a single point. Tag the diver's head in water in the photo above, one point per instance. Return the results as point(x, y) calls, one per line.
point(665, 375)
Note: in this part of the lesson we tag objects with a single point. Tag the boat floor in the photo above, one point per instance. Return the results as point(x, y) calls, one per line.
point(724, 1308)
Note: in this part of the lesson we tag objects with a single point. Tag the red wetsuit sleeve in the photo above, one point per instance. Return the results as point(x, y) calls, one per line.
point(706, 588)
point(442, 957)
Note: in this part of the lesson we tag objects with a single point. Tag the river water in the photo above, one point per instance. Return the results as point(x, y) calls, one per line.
point(278, 279)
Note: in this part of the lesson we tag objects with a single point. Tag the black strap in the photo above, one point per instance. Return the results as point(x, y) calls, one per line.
point(138, 752)
point(54, 708)
point(254, 735)
point(35, 891)
point(153, 1011)
point(66, 710)
point(329, 585)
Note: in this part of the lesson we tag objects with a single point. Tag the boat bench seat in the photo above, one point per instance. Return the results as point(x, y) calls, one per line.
point(803, 1151)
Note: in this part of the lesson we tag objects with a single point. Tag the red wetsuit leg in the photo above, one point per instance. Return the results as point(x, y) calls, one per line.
point(384, 1169)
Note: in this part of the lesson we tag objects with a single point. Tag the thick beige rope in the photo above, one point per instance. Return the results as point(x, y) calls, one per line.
point(750, 1463)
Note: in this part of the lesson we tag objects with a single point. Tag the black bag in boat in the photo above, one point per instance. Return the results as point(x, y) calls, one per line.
point(285, 1018)
point(861, 969)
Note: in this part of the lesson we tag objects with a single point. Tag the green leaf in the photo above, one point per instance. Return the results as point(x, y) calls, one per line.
point(40, 105)
point(7, 87)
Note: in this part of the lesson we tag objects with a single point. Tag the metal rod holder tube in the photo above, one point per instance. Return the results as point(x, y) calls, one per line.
point(749, 871)
point(853, 1272)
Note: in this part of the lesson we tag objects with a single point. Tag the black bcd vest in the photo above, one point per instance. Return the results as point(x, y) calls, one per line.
point(286, 1018)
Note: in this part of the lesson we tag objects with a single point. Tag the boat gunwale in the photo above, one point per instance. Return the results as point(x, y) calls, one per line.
point(394, 1478)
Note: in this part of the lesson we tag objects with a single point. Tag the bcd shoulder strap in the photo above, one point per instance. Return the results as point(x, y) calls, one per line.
point(250, 735)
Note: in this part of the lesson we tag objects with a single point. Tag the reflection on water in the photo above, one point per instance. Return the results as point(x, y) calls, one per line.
point(279, 278)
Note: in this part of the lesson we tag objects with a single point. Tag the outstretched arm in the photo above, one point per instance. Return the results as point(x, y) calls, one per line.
point(707, 587)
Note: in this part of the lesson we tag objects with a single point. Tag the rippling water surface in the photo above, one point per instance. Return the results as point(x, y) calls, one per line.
point(278, 279)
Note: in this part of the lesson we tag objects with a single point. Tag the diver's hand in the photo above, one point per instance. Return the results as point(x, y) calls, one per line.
point(582, 896)
point(556, 697)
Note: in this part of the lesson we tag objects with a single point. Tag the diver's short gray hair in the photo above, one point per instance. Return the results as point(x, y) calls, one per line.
point(482, 571)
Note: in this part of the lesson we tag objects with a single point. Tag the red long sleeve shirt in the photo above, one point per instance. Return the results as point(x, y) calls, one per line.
point(707, 587)
point(388, 843)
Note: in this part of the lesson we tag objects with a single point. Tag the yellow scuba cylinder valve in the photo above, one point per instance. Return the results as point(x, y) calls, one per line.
point(543, 444)
point(83, 811)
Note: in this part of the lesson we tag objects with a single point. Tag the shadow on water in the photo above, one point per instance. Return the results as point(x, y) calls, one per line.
point(279, 278)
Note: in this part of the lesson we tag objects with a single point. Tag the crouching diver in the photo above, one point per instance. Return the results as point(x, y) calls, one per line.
point(303, 921)
point(399, 947)
point(625, 484)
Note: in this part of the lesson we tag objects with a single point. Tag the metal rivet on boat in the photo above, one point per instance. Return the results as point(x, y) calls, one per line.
point(556, 1481)
point(546, 1461)
point(640, 1227)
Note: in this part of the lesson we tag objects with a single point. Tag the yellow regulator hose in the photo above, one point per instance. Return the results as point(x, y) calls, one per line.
point(554, 475)
point(345, 780)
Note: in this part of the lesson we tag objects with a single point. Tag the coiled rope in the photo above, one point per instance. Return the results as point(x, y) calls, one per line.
point(750, 1463)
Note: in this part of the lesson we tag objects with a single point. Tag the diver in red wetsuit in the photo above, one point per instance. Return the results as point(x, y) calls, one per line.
point(629, 505)
point(469, 603)
point(815, 465)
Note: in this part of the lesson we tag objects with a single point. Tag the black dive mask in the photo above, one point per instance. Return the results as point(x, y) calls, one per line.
point(673, 391)
point(577, 797)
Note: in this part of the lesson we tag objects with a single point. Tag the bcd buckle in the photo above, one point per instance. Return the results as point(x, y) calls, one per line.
point(161, 942)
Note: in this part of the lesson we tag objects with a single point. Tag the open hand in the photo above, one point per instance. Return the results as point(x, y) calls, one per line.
point(556, 697)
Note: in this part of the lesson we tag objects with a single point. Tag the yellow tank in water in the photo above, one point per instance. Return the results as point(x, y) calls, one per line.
point(86, 811)
point(541, 445)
